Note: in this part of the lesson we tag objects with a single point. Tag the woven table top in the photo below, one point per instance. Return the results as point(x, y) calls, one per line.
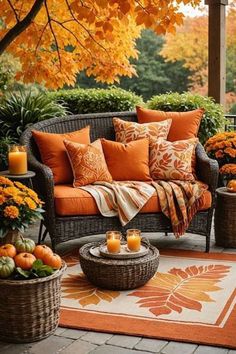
point(85, 254)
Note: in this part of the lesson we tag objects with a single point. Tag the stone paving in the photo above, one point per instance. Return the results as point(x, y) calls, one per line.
point(70, 341)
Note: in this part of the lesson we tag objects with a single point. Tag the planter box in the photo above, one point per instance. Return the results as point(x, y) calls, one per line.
point(29, 309)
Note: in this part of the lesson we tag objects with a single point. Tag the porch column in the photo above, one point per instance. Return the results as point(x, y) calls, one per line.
point(217, 49)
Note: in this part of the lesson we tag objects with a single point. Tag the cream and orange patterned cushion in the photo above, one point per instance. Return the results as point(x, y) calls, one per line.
point(87, 162)
point(172, 160)
point(130, 131)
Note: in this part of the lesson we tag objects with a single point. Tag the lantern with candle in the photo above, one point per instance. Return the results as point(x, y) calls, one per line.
point(113, 239)
point(133, 240)
point(17, 160)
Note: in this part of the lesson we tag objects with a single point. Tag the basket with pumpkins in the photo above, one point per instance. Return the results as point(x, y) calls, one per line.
point(29, 291)
point(30, 275)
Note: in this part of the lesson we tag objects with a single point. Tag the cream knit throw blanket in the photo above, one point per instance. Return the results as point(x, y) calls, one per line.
point(179, 200)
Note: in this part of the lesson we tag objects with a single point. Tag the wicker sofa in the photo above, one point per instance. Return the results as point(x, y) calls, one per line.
point(64, 228)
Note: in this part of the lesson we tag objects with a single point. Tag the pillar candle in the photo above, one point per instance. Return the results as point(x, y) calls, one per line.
point(134, 242)
point(17, 161)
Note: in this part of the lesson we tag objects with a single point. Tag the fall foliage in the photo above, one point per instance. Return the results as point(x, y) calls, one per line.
point(56, 39)
point(190, 44)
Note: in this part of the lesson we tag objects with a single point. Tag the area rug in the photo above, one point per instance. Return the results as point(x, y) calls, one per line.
point(192, 298)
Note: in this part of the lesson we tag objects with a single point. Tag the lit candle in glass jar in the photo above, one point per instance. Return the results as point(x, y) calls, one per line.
point(133, 240)
point(113, 241)
point(17, 160)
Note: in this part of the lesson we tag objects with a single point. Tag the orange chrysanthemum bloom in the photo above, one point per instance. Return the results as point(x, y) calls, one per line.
point(10, 191)
point(2, 199)
point(31, 204)
point(5, 181)
point(228, 169)
point(18, 200)
point(11, 212)
point(20, 186)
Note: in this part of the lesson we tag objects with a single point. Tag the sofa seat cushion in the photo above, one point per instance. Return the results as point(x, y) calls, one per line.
point(74, 201)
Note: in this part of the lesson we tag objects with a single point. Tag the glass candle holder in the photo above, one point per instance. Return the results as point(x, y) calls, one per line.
point(133, 237)
point(113, 241)
point(17, 159)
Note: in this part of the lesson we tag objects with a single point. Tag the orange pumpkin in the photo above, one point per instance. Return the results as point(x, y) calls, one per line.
point(53, 260)
point(24, 260)
point(8, 250)
point(232, 185)
point(41, 251)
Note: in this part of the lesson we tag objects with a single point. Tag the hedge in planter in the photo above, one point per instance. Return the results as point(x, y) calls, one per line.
point(213, 118)
point(79, 101)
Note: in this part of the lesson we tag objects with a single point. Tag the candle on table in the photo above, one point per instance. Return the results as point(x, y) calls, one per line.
point(134, 240)
point(113, 241)
point(17, 160)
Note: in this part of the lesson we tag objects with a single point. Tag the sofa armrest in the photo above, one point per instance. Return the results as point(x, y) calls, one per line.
point(207, 169)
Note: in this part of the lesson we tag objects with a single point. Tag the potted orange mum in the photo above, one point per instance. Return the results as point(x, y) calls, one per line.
point(19, 207)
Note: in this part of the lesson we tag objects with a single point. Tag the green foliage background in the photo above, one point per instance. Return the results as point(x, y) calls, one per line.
point(213, 118)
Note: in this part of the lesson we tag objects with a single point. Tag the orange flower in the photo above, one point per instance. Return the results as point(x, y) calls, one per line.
point(20, 186)
point(11, 212)
point(10, 191)
point(18, 200)
point(231, 152)
point(219, 154)
point(229, 168)
point(2, 199)
point(31, 204)
point(6, 181)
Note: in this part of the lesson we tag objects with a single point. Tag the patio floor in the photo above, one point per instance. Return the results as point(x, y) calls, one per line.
point(68, 341)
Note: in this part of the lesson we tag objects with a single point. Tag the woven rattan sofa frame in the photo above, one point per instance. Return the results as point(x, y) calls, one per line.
point(62, 229)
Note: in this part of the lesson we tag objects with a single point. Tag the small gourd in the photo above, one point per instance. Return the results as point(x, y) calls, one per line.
point(25, 245)
point(7, 267)
point(231, 186)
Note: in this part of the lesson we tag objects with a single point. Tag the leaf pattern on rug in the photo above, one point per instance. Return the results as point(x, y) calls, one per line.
point(71, 259)
point(180, 288)
point(79, 288)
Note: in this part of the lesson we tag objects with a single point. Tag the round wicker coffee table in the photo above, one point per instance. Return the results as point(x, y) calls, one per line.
point(118, 274)
point(225, 218)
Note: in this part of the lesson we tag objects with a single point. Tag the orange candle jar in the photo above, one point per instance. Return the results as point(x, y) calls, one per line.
point(133, 240)
point(17, 160)
point(113, 241)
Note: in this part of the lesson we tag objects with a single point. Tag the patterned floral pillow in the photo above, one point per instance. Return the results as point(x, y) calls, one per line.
point(172, 160)
point(130, 131)
point(88, 163)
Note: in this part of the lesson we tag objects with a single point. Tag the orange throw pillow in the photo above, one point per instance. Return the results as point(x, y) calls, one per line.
point(53, 151)
point(172, 160)
point(127, 162)
point(130, 131)
point(87, 162)
point(185, 125)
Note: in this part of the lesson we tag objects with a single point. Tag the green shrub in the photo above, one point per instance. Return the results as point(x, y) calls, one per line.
point(4, 143)
point(20, 110)
point(80, 101)
point(213, 119)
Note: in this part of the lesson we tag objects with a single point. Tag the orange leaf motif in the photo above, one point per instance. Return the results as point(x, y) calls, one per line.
point(77, 287)
point(71, 260)
point(178, 289)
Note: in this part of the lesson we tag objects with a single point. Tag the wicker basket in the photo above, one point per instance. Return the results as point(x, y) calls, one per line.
point(118, 274)
point(29, 309)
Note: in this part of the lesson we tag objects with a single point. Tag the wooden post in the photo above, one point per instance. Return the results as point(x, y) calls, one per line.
point(217, 50)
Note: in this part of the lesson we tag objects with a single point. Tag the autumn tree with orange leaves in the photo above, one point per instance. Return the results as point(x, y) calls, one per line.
point(190, 44)
point(56, 39)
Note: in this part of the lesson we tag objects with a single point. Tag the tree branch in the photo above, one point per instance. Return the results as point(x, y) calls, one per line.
point(20, 26)
point(14, 10)
point(53, 33)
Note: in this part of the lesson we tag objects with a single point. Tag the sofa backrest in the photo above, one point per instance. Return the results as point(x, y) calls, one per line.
point(101, 126)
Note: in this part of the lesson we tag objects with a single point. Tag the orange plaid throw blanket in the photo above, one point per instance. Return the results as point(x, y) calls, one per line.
point(179, 200)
